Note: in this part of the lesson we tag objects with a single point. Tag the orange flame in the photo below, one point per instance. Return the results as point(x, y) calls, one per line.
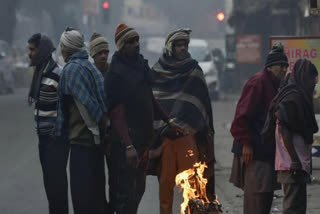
point(193, 185)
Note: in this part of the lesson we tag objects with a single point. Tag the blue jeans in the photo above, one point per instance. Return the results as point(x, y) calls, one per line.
point(54, 152)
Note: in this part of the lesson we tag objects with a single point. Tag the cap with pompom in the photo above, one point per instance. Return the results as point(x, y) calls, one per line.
point(276, 56)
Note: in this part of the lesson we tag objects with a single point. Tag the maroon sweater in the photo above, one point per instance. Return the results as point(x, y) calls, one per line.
point(253, 105)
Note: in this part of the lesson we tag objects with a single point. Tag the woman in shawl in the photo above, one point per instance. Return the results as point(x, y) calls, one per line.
point(292, 122)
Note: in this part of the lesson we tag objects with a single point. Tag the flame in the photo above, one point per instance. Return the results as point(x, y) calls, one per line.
point(193, 185)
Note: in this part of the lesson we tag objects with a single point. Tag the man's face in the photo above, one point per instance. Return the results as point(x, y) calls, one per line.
point(132, 47)
point(63, 53)
point(180, 49)
point(32, 52)
point(279, 71)
point(101, 58)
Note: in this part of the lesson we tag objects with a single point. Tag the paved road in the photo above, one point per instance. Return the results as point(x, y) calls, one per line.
point(21, 188)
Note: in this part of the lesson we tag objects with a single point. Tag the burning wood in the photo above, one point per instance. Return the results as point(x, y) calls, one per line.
point(195, 206)
point(194, 194)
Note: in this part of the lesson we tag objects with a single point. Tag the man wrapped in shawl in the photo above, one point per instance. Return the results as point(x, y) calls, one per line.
point(181, 90)
point(291, 122)
point(80, 111)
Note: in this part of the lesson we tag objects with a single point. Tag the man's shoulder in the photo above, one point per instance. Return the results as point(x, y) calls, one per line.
point(73, 68)
point(256, 79)
point(76, 64)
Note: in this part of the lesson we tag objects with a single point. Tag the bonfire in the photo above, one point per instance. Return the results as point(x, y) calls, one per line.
point(193, 185)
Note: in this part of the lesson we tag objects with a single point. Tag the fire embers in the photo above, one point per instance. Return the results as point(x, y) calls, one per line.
point(196, 206)
point(193, 185)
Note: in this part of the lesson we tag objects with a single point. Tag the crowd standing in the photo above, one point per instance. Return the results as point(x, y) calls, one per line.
point(143, 121)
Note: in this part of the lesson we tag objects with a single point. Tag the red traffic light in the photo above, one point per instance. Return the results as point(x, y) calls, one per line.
point(105, 5)
point(220, 16)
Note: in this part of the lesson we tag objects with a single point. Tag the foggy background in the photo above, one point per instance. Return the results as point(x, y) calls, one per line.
point(21, 184)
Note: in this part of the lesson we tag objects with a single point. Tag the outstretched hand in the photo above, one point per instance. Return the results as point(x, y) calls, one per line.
point(180, 130)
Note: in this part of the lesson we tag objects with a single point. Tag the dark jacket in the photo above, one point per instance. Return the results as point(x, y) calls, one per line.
point(130, 101)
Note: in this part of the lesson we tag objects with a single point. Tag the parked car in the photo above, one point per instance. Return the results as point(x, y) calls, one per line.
point(7, 83)
point(200, 51)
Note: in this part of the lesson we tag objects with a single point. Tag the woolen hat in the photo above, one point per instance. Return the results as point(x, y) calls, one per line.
point(276, 56)
point(122, 34)
point(98, 43)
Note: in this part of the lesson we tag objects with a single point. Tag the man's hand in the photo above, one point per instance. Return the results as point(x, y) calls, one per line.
point(179, 129)
point(132, 156)
point(247, 153)
point(295, 167)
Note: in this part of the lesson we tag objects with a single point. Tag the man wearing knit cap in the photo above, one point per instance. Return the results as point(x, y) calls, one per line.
point(80, 112)
point(99, 51)
point(253, 163)
point(132, 109)
point(180, 88)
point(53, 151)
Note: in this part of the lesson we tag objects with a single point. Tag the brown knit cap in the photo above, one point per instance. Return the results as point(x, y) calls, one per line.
point(98, 43)
point(122, 34)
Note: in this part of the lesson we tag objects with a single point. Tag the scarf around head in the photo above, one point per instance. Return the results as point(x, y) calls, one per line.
point(72, 41)
point(181, 34)
point(295, 91)
point(40, 61)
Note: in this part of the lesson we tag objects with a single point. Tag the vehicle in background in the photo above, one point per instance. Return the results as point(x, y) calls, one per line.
point(7, 83)
point(200, 51)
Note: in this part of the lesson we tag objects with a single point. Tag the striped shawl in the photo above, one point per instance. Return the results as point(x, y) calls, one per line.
point(182, 92)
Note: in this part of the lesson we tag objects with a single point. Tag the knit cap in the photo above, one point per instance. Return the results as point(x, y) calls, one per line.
point(97, 44)
point(276, 56)
point(124, 33)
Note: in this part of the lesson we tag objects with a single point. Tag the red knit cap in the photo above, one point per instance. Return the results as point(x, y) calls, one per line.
point(120, 28)
point(122, 34)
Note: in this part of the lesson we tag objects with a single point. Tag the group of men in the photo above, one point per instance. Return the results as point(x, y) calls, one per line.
point(273, 132)
point(121, 113)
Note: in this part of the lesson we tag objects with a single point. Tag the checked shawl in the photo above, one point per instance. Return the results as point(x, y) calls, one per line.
point(81, 80)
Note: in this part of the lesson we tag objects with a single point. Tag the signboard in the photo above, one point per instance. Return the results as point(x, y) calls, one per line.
point(298, 48)
point(301, 48)
point(249, 49)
